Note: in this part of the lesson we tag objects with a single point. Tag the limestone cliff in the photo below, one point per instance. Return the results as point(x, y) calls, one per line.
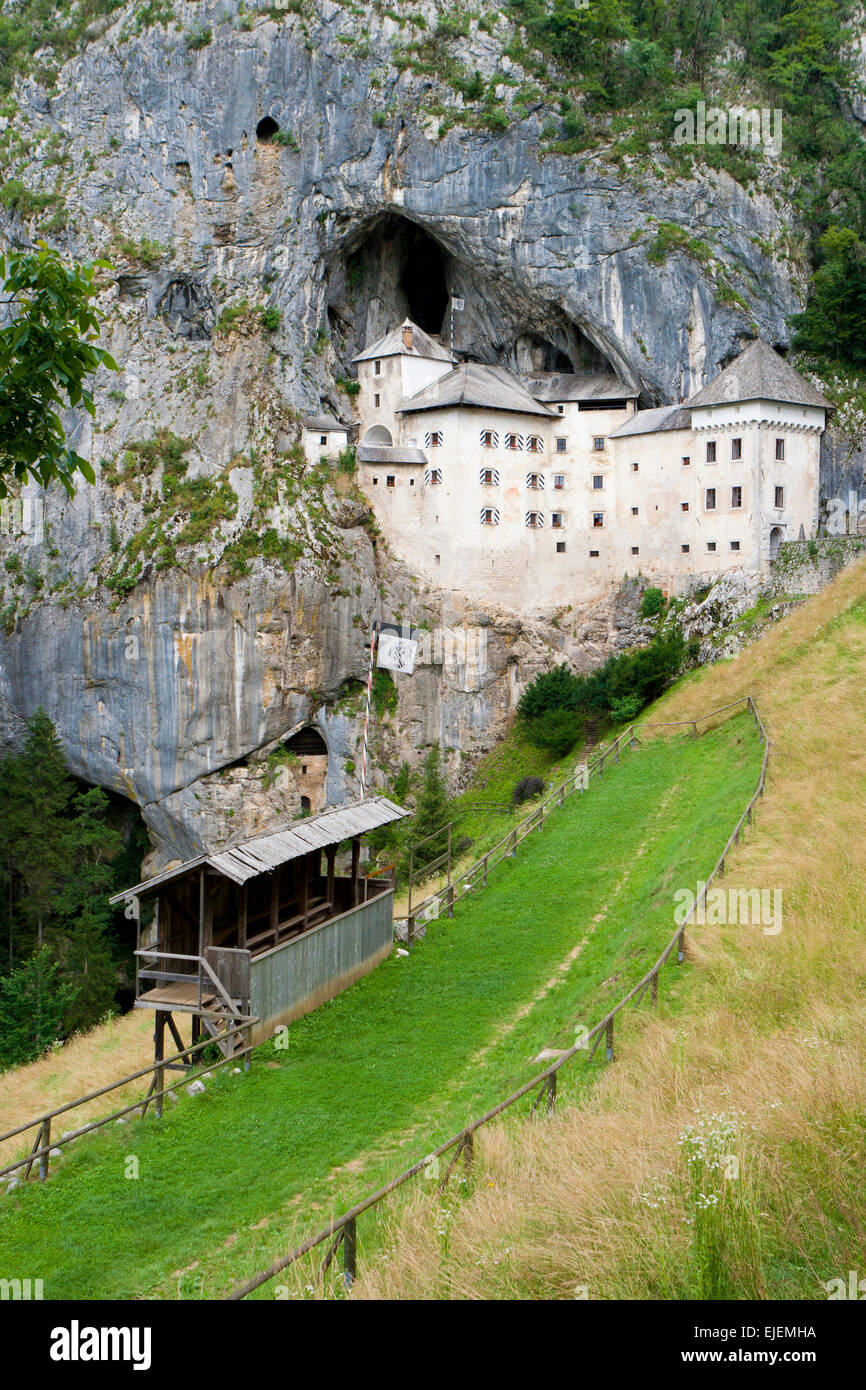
point(274, 185)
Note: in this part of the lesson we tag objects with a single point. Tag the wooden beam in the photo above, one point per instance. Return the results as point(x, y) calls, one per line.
point(275, 901)
point(242, 917)
point(306, 865)
point(331, 855)
point(356, 855)
point(201, 912)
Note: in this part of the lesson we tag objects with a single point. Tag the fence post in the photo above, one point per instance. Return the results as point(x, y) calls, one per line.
point(694, 730)
point(486, 858)
point(44, 1143)
point(410, 930)
point(681, 946)
point(468, 1151)
point(513, 850)
point(411, 866)
point(450, 899)
point(655, 987)
point(158, 1054)
point(608, 1041)
point(350, 1252)
point(551, 1093)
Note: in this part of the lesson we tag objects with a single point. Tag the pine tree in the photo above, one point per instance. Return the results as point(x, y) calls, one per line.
point(431, 814)
point(41, 855)
point(33, 1001)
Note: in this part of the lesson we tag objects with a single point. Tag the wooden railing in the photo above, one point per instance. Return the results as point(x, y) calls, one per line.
point(505, 848)
point(343, 1230)
point(241, 1024)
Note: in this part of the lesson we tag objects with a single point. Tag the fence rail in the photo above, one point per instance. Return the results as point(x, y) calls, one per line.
point(505, 848)
point(344, 1230)
point(41, 1150)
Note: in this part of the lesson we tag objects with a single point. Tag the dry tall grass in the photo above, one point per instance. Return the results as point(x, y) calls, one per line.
point(84, 1064)
point(769, 1033)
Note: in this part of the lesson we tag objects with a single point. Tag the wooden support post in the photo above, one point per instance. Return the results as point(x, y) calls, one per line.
point(158, 1054)
point(513, 849)
point(411, 872)
point(468, 1152)
point(451, 900)
point(201, 908)
point(44, 1143)
point(608, 1041)
point(330, 855)
point(242, 918)
point(275, 903)
point(551, 1093)
point(305, 889)
point(449, 854)
point(350, 1252)
point(655, 988)
point(681, 946)
point(356, 855)
point(486, 858)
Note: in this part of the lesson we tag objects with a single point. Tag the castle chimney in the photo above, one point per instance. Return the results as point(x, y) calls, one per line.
point(408, 336)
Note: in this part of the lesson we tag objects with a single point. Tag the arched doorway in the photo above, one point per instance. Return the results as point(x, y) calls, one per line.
point(379, 436)
point(775, 541)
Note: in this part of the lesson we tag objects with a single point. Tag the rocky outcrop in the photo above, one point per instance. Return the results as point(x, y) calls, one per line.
point(170, 671)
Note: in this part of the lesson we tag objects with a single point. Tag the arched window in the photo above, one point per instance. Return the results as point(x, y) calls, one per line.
point(775, 541)
point(379, 436)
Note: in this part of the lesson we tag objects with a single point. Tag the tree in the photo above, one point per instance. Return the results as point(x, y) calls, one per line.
point(41, 857)
point(431, 814)
point(47, 351)
point(90, 847)
point(33, 1001)
point(833, 323)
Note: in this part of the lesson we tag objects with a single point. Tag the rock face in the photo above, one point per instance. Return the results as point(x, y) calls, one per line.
point(171, 676)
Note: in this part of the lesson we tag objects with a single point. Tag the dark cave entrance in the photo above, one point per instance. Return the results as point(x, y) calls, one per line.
point(422, 280)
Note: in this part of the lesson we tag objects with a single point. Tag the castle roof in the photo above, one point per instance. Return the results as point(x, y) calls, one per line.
point(324, 423)
point(759, 373)
point(574, 386)
point(390, 453)
point(663, 417)
point(475, 384)
point(393, 345)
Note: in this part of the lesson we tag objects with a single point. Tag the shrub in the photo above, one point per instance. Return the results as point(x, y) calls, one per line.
point(556, 689)
point(652, 603)
point(199, 37)
point(556, 731)
point(527, 788)
point(270, 319)
point(626, 709)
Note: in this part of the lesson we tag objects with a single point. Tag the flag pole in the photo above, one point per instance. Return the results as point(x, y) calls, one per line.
point(374, 641)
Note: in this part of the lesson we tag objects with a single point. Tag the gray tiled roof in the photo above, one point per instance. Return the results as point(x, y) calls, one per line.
point(392, 345)
point(759, 374)
point(473, 383)
point(663, 417)
point(390, 453)
point(572, 386)
point(324, 423)
point(259, 855)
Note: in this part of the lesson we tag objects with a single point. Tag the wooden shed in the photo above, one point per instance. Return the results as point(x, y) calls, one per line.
point(263, 928)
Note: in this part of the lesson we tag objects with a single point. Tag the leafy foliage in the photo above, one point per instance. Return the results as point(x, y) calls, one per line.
point(431, 814)
point(833, 325)
point(47, 352)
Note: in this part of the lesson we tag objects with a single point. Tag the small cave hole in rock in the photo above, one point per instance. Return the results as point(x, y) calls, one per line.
point(266, 129)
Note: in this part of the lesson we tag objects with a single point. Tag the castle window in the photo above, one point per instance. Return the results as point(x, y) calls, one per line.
point(634, 468)
point(489, 439)
point(780, 449)
point(489, 477)
point(593, 555)
point(323, 439)
point(390, 480)
point(684, 549)
point(535, 520)
point(598, 444)
point(514, 441)
point(489, 516)
point(535, 444)
point(735, 545)
point(780, 497)
point(635, 550)
point(377, 367)
point(598, 518)
point(684, 506)
point(559, 481)
point(560, 547)
point(711, 545)
point(711, 499)
point(377, 400)
point(560, 445)
point(736, 497)
point(711, 451)
point(597, 481)
point(432, 477)
point(375, 482)
point(634, 511)
point(686, 461)
point(556, 520)
point(736, 448)
point(535, 482)
point(433, 440)
point(561, 409)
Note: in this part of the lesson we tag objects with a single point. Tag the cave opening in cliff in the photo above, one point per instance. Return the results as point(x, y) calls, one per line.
point(397, 271)
point(423, 280)
point(266, 129)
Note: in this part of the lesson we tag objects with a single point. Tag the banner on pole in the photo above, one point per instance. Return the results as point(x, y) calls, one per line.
point(397, 649)
point(458, 304)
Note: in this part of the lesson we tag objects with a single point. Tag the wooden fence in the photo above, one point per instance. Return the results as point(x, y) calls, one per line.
point(343, 1230)
point(40, 1153)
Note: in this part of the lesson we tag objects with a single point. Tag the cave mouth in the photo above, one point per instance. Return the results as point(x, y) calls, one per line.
point(266, 129)
point(422, 280)
point(405, 270)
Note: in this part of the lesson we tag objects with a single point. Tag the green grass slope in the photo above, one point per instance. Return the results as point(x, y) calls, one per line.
point(372, 1080)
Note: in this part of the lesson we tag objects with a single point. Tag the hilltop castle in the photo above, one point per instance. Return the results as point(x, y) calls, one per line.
point(547, 488)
